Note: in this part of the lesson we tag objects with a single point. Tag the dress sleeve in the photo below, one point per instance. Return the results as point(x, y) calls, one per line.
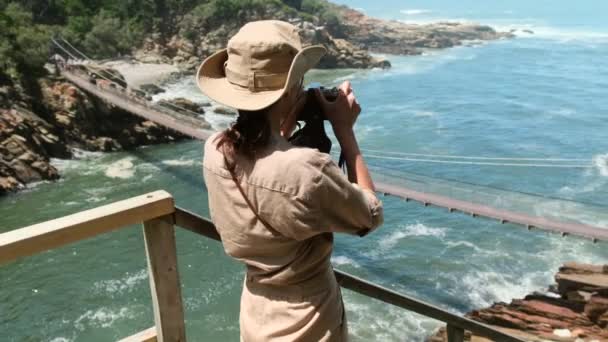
point(344, 207)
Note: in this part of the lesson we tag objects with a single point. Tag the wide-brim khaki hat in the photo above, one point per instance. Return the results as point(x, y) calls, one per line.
point(262, 62)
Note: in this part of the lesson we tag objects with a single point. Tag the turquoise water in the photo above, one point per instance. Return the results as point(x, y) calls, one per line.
point(537, 96)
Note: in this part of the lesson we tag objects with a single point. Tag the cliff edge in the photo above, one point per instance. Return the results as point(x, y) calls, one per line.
point(573, 310)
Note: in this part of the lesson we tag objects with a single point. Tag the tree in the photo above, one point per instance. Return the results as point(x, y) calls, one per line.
point(108, 36)
point(297, 4)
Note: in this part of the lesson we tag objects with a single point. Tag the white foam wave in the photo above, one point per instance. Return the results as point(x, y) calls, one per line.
point(417, 229)
point(365, 324)
point(96, 199)
point(60, 339)
point(63, 165)
point(122, 169)
point(341, 260)
point(82, 154)
point(429, 61)
point(218, 121)
point(484, 288)
point(523, 28)
point(532, 28)
point(435, 20)
point(424, 113)
point(601, 163)
point(102, 317)
point(415, 11)
point(125, 284)
point(185, 87)
point(467, 244)
point(179, 162)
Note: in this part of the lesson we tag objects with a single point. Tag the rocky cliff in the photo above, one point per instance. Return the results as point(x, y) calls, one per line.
point(189, 53)
point(350, 42)
point(401, 38)
point(65, 117)
point(574, 310)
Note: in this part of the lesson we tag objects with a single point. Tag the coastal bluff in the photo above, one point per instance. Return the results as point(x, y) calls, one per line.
point(352, 38)
point(575, 309)
point(44, 117)
point(32, 131)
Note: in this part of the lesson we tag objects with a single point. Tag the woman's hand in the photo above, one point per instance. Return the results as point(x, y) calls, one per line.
point(343, 112)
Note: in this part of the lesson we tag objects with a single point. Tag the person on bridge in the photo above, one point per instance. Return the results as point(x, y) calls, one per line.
point(276, 206)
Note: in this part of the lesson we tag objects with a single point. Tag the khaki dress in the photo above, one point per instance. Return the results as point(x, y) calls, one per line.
point(290, 292)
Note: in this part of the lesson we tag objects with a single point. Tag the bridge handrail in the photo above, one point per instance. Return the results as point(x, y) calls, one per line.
point(158, 213)
point(456, 324)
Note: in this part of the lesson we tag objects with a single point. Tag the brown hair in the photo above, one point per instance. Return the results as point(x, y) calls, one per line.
point(246, 136)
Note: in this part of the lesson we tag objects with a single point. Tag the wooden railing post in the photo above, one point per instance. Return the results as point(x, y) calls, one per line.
point(455, 334)
point(159, 236)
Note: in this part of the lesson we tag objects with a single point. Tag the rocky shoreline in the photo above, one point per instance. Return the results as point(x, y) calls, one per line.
point(401, 38)
point(573, 310)
point(53, 116)
point(351, 44)
point(66, 118)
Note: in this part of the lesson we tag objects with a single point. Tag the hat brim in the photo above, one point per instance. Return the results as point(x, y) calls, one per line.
point(211, 80)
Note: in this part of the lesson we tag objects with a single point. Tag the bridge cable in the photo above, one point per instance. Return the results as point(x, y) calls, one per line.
point(486, 186)
point(578, 166)
point(445, 156)
point(430, 155)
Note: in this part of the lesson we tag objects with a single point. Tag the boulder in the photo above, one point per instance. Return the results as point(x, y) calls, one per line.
point(151, 88)
point(224, 110)
point(578, 315)
point(184, 106)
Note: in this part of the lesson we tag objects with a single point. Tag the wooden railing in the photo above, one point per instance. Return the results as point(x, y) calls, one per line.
point(159, 215)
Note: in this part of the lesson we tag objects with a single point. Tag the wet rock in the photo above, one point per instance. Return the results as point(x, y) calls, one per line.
point(224, 110)
point(151, 88)
point(8, 184)
point(579, 313)
point(184, 106)
point(26, 144)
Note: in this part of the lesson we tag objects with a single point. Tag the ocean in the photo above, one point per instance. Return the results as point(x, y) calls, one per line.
point(541, 96)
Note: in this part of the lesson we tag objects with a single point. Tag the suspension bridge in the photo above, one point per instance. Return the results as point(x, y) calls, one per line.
point(81, 72)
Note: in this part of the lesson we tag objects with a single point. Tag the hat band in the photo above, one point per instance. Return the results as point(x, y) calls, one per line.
point(255, 81)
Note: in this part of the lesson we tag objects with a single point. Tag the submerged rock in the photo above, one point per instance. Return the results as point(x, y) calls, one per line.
point(152, 89)
point(224, 110)
point(184, 106)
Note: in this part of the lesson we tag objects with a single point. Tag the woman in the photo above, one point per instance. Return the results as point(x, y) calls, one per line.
point(275, 205)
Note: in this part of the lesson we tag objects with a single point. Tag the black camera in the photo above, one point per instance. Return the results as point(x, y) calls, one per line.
point(313, 133)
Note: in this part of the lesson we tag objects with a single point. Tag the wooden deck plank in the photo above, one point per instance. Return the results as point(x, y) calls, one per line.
point(85, 224)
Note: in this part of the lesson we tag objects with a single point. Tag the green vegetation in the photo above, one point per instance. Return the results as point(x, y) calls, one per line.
point(324, 11)
point(109, 28)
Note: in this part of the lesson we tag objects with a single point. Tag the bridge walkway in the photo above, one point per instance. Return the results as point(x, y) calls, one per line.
point(200, 130)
